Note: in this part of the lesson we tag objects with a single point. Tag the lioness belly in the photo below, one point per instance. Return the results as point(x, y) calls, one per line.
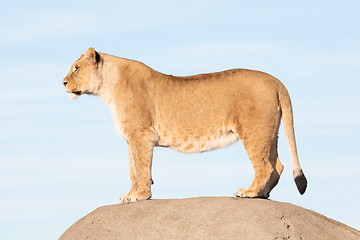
point(198, 143)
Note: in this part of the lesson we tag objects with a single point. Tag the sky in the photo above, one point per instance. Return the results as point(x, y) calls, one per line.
point(61, 159)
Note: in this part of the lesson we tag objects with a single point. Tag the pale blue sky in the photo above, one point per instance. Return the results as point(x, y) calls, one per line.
point(61, 159)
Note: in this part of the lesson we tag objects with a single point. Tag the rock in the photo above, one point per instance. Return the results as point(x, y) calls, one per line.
point(207, 218)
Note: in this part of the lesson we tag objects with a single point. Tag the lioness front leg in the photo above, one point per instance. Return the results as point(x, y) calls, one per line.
point(141, 148)
point(126, 197)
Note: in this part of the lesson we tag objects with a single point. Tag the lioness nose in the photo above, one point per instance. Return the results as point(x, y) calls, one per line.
point(65, 83)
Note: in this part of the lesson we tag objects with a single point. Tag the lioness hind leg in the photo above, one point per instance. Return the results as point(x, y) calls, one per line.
point(267, 167)
point(277, 166)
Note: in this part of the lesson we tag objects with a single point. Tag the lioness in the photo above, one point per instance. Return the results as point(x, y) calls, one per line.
point(190, 114)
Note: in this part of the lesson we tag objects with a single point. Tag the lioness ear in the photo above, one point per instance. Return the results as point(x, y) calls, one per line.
point(93, 55)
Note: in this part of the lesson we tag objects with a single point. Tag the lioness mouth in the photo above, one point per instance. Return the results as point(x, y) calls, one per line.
point(78, 93)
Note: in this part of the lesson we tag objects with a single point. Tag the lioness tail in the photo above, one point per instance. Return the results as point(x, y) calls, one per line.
point(288, 122)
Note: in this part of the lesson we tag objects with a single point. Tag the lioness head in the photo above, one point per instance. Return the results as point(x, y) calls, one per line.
point(84, 75)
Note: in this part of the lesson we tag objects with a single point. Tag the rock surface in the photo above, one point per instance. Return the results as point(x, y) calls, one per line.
point(207, 218)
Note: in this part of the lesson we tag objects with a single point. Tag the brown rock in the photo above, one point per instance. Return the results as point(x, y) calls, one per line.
point(207, 218)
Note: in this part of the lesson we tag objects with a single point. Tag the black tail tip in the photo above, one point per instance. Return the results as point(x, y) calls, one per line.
point(301, 183)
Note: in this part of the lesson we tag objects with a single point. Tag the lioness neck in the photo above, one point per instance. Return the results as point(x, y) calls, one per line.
point(116, 72)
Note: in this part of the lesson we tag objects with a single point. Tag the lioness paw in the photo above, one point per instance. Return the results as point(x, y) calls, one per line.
point(138, 196)
point(135, 196)
point(248, 194)
point(240, 193)
point(125, 198)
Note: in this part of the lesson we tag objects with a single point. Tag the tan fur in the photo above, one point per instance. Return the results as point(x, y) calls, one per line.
point(190, 114)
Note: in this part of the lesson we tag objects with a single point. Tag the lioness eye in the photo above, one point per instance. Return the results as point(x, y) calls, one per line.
point(76, 69)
